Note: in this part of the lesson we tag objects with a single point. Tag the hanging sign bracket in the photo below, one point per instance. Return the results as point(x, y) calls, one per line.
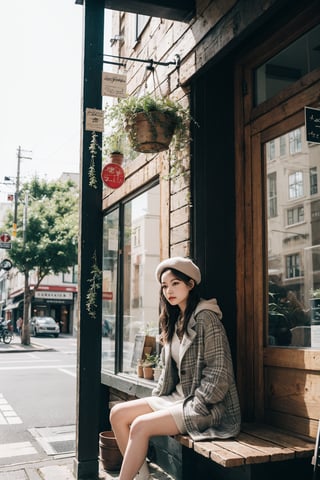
point(151, 62)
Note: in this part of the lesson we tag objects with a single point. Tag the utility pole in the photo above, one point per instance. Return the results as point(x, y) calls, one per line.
point(16, 195)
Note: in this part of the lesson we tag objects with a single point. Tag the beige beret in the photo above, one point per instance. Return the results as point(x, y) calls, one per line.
point(184, 265)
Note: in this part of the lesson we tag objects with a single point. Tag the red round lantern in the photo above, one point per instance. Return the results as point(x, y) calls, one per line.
point(112, 175)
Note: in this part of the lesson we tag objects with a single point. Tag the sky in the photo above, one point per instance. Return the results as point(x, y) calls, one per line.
point(40, 88)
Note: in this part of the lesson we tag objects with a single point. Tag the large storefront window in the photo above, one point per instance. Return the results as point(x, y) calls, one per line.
point(287, 67)
point(109, 288)
point(294, 243)
point(130, 291)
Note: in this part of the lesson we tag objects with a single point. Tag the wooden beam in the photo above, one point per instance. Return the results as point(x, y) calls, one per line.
point(178, 10)
point(86, 463)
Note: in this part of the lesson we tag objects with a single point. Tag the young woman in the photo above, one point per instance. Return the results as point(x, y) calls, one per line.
point(196, 392)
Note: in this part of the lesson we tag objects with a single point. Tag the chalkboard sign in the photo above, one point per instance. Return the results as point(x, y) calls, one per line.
point(312, 120)
point(137, 349)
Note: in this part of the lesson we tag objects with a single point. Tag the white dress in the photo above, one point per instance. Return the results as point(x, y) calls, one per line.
point(172, 403)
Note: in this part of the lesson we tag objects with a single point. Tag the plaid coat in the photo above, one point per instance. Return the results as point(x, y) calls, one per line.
point(211, 406)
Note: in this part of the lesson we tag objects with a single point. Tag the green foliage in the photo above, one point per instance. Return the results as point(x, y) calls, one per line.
point(120, 117)
point(47, 243)
point(93, 148)
point(95, 283)
point(151, 360)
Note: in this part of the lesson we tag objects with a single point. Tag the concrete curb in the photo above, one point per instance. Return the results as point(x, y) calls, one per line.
point(14, 347)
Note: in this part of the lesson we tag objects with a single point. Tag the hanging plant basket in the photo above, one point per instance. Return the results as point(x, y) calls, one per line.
point(151, 124)
point(150, 132)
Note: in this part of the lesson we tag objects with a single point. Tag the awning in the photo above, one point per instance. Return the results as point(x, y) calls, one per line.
point(12, 306)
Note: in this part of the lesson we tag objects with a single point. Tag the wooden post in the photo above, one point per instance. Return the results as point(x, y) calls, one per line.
point(86, 464)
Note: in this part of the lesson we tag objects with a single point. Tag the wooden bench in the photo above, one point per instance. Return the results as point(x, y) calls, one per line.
point(259, 452)
point(256, 444)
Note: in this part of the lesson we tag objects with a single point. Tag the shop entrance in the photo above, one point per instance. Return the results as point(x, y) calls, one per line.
point(278, 241)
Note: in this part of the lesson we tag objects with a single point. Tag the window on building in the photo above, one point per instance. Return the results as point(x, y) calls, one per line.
point(295, 185)
point(283, 145)
point(295, 215)
point(272, 195)
point(313, 180)
point(293, 268)
point(141, 22)
point(71, 276)
point(131, 253)
point(271, 150)
point(295, 145)
point(288, 66)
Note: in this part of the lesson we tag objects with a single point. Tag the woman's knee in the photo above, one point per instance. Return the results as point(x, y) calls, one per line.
point(139, 427)
point(116, 413)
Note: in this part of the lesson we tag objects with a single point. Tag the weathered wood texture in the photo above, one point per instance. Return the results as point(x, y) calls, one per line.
point(255, 444)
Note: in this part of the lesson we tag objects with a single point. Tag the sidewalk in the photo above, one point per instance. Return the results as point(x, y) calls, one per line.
point(62, 470)
point(16, 346)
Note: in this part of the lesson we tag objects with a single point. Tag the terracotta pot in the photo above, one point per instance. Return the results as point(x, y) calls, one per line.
point(110, 454)
point(148, 373)
point(116, 157)
point(150, 133)
point(140, 371)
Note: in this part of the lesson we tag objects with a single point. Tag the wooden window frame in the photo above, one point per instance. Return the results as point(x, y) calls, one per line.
point(256, 126)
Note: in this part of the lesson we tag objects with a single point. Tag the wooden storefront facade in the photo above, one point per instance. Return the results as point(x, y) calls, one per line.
point(219, 210)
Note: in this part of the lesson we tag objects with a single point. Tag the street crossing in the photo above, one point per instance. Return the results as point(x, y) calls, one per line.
point(7, 415)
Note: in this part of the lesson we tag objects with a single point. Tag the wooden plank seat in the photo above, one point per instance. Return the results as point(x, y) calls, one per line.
point(255, 444)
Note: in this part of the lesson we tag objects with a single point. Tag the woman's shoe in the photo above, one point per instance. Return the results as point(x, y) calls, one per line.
point(143, 473)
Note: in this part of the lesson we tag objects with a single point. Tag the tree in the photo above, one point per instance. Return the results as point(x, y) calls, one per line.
point(47, 231)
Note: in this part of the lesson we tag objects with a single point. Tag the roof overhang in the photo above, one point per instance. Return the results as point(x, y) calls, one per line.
point(12, 306)
point(180, 10)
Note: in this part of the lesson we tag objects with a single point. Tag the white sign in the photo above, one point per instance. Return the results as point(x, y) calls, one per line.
point(55, 295)
point(5, 245)
point(114, 85)
point(94, 120)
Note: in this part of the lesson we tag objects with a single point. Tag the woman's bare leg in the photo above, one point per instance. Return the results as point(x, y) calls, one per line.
point(142, 428)
point(121, 417)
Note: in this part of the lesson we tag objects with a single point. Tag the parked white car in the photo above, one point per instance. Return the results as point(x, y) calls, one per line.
point(44, 326)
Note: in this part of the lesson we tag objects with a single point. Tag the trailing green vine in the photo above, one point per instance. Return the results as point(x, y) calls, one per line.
point(92, 168)
point(95, 283)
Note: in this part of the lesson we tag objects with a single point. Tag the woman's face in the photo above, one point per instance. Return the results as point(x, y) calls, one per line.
point(175, 290)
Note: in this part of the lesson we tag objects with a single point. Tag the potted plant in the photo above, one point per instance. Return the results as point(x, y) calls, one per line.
point(149, 363)
point(113, 147)
point(157, 369)
point(151, 123)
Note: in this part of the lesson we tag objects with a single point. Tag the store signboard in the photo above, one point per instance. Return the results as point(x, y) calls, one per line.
point(312, 121)
point(54, 295)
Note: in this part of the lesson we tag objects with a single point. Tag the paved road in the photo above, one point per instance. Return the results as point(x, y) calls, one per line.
point(37, 400)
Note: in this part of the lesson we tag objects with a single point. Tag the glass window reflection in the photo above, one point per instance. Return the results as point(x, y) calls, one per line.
point(109, 288)
point(141, 254)
point(130, 295)
point(293, 229)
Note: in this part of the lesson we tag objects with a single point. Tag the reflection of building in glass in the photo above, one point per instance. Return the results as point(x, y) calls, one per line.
point(131, 252)
point(293, 218)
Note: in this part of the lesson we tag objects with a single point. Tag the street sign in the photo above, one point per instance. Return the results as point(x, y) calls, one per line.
point(6, 264)
point(112, 175)
point(5, 245)
point(5, 237)
point(5, 241)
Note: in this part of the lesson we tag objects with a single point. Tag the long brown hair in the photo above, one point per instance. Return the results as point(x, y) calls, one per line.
point(169, 313)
